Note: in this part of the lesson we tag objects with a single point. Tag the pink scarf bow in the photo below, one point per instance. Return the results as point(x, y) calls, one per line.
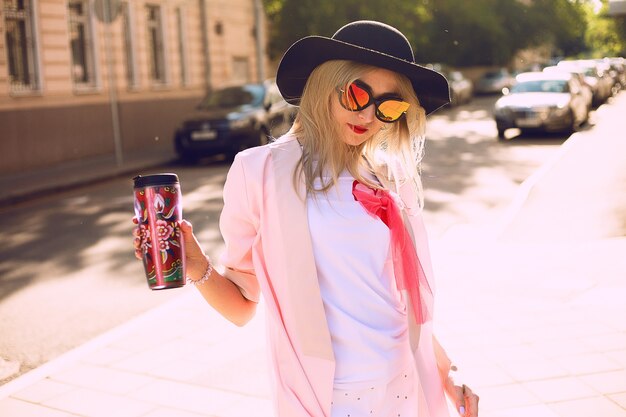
point(407, 268)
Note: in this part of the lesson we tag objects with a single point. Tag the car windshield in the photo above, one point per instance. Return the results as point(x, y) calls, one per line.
point(233, 97)
point(540, 86)
point(494, 75)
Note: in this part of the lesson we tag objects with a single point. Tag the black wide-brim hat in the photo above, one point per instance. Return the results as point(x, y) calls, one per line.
point(369, 42)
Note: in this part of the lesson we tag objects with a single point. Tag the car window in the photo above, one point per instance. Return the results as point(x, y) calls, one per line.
point(233, 97)
point(492, 75)
point(541, 86)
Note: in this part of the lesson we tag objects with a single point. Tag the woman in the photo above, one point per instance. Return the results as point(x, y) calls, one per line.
point(325, 223)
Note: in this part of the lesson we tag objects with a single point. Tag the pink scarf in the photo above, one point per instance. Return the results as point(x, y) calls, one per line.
point(407, 268)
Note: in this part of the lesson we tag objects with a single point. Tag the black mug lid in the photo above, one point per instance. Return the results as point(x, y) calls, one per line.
point(155, 179)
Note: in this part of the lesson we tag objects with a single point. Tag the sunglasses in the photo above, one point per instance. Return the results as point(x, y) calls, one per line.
point(357, 95)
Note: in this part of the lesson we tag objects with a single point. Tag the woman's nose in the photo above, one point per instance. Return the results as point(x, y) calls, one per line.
point(367, 114)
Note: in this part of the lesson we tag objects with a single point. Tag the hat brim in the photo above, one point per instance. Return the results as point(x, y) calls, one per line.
point(305, 55)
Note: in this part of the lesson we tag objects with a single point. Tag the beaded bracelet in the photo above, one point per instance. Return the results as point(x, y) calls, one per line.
point(206, 275)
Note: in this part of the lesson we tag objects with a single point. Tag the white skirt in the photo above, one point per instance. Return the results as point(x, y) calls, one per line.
point(397, 398)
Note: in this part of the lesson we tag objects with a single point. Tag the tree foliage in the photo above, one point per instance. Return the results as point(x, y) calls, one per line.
point(605, 35)
point(291, 20)
point(457, 32)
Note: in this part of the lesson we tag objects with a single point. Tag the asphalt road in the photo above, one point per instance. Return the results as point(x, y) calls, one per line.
point(68, 273)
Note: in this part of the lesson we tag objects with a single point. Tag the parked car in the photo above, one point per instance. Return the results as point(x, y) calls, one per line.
point(578, 73)
point(493, 82)
point(548, 101)
point(599, 80)
point(231, 119)
point(617, 70)
point(461, 88)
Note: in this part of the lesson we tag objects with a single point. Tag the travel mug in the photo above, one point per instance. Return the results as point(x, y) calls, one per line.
point(158, 209)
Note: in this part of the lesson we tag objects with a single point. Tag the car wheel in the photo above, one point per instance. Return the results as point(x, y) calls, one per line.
point(573, 125)
point(501, 133)
point(188, 158)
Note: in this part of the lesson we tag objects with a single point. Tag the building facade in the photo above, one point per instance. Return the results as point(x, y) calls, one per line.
point(89, 78)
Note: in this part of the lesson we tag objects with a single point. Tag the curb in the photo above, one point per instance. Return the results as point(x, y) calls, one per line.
point(23, 187)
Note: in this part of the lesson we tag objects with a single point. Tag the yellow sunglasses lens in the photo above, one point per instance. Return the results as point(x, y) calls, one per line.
point(391, 110)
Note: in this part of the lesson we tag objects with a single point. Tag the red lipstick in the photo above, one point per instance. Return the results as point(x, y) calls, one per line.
point(357, 129)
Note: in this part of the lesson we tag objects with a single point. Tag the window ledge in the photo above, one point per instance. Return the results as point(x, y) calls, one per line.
point(18, 93)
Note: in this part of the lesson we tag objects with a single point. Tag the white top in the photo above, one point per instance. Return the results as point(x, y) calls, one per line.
point(365, 311)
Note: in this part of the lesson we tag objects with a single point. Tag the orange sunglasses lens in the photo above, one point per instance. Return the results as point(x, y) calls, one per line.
point(359, 96)
point(354, 98)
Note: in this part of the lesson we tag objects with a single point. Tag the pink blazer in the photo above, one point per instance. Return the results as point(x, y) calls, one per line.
point(268, 251)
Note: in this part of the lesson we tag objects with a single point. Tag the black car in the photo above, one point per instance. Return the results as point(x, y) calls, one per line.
point(231, 119)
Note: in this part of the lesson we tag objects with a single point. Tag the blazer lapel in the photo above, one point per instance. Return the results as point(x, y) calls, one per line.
point(305, 305)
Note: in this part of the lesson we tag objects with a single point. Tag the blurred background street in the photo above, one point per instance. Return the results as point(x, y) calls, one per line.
point(524, 179)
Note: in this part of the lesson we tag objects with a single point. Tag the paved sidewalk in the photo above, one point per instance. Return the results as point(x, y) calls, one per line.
point(533, 314)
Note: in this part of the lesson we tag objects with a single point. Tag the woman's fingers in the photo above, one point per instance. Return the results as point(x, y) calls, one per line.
point(137, 239)
point(471, 402)
point(192, 246)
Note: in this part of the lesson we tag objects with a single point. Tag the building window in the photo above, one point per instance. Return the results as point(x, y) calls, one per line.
point(182, 54)
point(241, 70)
point(129, 46)
point(20, 45)
point(156, 48)
point(81, 44)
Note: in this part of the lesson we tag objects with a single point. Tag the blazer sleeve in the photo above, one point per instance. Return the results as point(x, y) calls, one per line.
point(239, 223)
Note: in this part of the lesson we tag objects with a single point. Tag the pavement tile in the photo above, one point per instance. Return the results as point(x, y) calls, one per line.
point(619, 399)
point(587, 363)
point(608, 341)
point(481, 375)
point(256, 407)
point(142, 341)
point(562, 347)
point(560, 389)
point(528, 370)
point(530, 411)
point(102, 379)
point(588, 407)
point(92, 403)
point(248, 382)
point(171, 412)
point(585, 329)
point(11, 407)
point(618, 356)
point(106, 356)
point(43, 390)
point(525, 352)
point(506, 396)
point(187, 397)
point(607, 382)
point(183, 370)
point(159, 356)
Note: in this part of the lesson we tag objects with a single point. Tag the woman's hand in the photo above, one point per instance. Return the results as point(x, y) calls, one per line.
point(138, 239)
point(195, 258)
point(463, 397)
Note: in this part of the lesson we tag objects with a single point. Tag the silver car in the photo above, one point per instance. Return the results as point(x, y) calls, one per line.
point(493, 82)
point(548, 101)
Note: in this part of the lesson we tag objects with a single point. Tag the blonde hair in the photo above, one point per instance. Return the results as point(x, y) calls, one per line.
point(393, 153)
